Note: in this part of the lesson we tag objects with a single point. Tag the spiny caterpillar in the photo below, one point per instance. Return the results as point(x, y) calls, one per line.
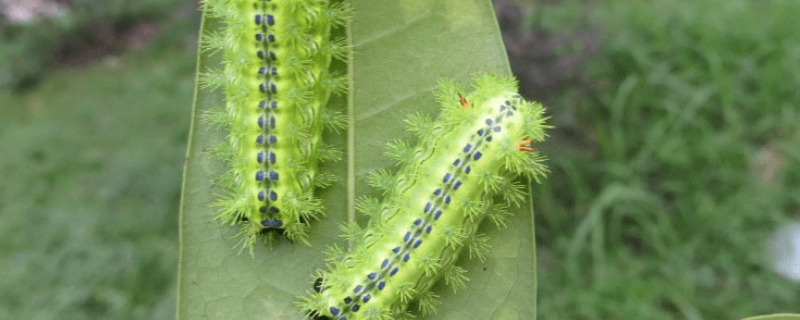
point(276, 80)
point(474, 152)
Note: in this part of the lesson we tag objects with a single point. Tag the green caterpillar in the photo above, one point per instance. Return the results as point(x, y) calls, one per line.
point(276, 81)
point(432, 208)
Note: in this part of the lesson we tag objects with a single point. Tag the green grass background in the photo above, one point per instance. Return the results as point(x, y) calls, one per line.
point(670, 169)
point(90, 161)
point(685, 160)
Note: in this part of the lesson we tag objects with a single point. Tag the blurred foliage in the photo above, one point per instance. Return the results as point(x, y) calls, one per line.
point(26, 50)
point(91, 165)
point(672, 169)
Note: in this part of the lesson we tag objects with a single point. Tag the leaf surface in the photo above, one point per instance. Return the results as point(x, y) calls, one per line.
point(401, 49)
point(781, 316)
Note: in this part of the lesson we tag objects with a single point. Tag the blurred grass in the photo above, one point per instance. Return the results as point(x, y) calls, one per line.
point(91, 162)
point(689, 160)
point(29, 50)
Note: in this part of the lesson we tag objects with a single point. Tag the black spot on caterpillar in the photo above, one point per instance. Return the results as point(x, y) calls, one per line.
point(318, 285)
point(276, 81)
point(474, 152)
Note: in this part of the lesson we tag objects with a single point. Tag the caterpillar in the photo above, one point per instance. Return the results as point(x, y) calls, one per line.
point(475, 152)
point(276, 80)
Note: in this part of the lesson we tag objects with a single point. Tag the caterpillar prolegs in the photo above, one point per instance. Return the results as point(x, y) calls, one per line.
point(276, 81)
point(464, 161)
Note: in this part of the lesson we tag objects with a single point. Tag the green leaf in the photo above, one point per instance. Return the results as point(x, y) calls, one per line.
point(401, 49)
point(780, 316)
